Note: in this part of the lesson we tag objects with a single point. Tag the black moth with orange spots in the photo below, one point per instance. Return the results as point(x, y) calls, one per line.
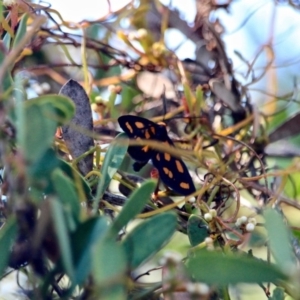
point(172, 170)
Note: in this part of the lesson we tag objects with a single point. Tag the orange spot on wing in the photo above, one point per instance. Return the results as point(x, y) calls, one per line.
point(184, 185)
point(139, 125)
point(179, 166)
point(168, 172)
point(158, 156)
point(167, 156)
point(152, 129)
point(128, 126)
point(147, 135)
point(145, 149)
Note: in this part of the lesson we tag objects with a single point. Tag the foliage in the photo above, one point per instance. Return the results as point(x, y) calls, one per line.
point(76, 218)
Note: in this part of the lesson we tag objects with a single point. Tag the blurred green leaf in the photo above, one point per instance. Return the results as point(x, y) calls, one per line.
point(218, 268)
point(284, 113)
point(36, 133)
point(83, 241)
point(279, 240)
point(296, 234)
point(200, 101)
point(7, 79)
point(80, 181)
point(278, 294)
point(128, 93)
point(22, 27)
point(112, 161)
point(112, 105)
point(103, 72)
point(188, 96)
point(7, 236)
point(148, 238)
point(288, 128)
point(62, 233)
point(291, 188)
point(67, 193)
point(7, 40)
point(109, 269)
point(93, 31)
point(37, 123)
point(197, 230)
point(134, 205)
point(64, 107)
point(45, 165)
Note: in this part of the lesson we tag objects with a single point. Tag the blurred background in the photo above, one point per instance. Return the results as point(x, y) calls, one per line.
point(223, 67)
point(248, 25)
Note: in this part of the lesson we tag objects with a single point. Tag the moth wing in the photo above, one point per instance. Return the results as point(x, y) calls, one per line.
point(173, 172)
point(139, 128)
point(140, 154)
point(135, 126)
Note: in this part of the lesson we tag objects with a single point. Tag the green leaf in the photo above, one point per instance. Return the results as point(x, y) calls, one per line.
point(7, 236)
point(83, 241)
point(36, 133)
point(112, 161)
point(7, 40)
point(40, 174)
point(37, 122)
point(278, 294)
point(148, 238)
point(45, 165)
point(81, 183)
point(134, 205)
point(112, 105)
point(200, 101)
point(7, 79)
point(67, 194)
point(217, 268)
point(109, 268)
point(197, 230)
point(128, 93)
point(61, 229)
point(21, 30)
point(284, 114)
point(105, 73)
point(291, 189)
point(279, 240)
point(189, 97)
point(63, 106)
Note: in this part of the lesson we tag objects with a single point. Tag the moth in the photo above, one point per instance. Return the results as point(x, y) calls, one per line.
point(172, 170)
